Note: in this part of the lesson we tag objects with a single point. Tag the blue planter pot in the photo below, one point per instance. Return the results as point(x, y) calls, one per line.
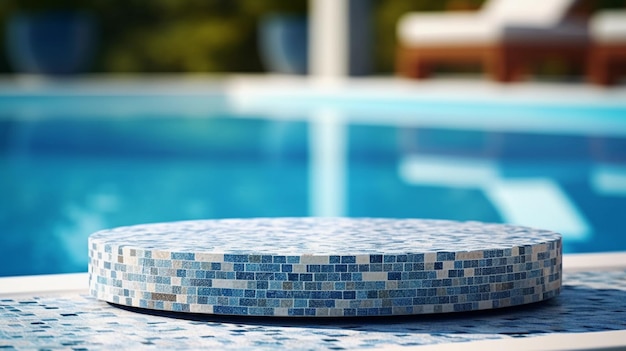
point(50, 43)
point(283, 43)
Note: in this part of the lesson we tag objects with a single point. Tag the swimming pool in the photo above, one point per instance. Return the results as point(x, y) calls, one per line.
point(76, 158)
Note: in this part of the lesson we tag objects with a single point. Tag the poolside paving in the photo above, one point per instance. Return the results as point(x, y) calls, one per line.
point(590, 301)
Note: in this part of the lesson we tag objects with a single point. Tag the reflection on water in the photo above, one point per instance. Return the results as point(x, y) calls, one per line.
point(62, 178)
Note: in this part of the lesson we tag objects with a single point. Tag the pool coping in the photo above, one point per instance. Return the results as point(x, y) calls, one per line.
point(533, 107)
point(587, 262)
point(464, 88)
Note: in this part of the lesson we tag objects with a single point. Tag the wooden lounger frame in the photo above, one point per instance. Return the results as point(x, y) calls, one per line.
point(607, 63)
point(504, 62)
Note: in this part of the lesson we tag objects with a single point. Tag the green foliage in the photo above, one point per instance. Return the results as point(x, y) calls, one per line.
point(185, 36)
point(605, 4)
point(168, 35)
point(190, 45)
point(214, 35)
point(33, 6)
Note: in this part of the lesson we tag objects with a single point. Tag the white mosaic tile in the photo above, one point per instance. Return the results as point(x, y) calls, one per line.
point(319, 267)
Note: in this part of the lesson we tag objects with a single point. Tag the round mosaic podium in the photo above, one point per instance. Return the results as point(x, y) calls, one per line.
point(322, 267)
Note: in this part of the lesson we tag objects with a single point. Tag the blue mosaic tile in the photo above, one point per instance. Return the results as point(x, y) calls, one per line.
point(324, 266)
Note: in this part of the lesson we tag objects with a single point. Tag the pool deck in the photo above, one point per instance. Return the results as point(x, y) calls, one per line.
point(377, 87)
point(54, 311)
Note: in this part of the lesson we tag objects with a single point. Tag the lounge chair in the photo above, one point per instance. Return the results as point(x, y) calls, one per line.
point(607, 55)
point(505, 36)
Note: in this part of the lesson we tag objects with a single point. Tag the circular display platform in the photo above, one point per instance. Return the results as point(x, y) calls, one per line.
point(323, 267)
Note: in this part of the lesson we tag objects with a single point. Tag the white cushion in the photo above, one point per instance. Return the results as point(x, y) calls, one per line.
point(534, 13)
point(498, 20)
point(444, 29)
point(460, 29)
point(609, 26)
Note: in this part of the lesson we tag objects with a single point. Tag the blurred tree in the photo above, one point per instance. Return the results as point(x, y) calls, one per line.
point(213, 35)
point(168, 35)
point(185, 36)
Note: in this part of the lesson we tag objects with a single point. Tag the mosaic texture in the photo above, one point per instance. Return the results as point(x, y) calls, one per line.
point(589, 302)
point(319, 267)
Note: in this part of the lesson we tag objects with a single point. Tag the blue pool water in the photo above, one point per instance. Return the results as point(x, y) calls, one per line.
point(71, 165)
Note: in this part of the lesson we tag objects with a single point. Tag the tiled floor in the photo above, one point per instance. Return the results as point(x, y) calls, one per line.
point(589, 302)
